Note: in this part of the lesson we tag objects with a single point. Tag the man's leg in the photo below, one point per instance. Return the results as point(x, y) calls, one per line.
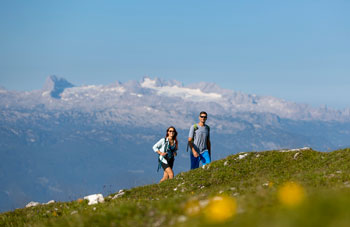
point(194, 161)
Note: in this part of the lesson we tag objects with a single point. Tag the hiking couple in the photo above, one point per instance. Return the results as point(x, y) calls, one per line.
point(198, 142)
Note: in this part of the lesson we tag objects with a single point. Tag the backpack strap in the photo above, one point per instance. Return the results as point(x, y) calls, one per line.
point(195, 127)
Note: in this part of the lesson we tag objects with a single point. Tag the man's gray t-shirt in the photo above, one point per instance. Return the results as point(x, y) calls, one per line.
point(200, 138)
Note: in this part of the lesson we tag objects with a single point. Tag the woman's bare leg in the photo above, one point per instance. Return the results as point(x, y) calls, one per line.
point(170, 172)
point(165, 176)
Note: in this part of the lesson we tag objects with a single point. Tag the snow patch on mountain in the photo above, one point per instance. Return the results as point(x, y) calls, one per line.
point(2, 90)
point(183, 92)
point(90, 92)
point(138, 95)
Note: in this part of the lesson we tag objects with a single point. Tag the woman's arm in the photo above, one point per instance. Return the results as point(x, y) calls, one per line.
point(157, 147)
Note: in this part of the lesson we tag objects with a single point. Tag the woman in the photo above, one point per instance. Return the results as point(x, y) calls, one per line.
point(166, 148)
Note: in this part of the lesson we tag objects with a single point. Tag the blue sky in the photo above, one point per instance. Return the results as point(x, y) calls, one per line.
point(295, 50)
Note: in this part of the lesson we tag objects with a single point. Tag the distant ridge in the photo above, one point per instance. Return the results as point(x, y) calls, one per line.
point(69, 139)
point(158, 94)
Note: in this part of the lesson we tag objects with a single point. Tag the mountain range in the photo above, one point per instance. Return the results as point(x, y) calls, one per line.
point(65, 141)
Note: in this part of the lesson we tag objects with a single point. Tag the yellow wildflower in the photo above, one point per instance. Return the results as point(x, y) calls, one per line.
point(220, 209)
point(291, 194)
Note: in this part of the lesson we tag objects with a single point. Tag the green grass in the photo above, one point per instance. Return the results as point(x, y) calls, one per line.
point(253, 182)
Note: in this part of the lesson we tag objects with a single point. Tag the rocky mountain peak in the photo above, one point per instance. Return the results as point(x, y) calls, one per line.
point(56, 86)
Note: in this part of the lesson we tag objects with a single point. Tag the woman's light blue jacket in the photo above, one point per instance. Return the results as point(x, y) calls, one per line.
point(161, 146)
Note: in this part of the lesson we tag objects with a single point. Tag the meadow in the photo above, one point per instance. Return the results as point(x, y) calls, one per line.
point(299, 187)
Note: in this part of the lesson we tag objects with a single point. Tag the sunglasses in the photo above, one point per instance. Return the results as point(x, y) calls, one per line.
point(171, 131)
point(203, 116)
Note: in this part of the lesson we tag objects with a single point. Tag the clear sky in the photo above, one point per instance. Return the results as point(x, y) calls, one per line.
point(296, 50)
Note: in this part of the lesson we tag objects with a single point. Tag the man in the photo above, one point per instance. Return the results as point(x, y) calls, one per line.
point(199, 142)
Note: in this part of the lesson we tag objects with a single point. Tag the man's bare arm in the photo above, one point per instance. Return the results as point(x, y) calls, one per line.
point(194, 152)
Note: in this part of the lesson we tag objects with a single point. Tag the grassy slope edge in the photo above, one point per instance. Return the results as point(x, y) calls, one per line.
point(253, 181)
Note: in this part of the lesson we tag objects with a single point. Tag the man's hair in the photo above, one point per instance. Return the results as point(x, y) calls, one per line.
point(203, 112)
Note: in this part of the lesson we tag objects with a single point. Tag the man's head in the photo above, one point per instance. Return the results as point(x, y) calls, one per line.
point(203, 116)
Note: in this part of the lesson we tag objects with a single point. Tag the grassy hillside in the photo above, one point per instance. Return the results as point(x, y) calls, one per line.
point(272, 188)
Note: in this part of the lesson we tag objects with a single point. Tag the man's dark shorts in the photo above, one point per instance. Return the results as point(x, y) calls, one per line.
point(170, 164)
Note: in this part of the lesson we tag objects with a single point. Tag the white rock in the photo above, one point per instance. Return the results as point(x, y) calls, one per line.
point(305, 148)
point(182, 218)
point(32, 204)
point(119, 194)
point(51, 201)
point(241, 156)
point(296, 155)
point(94, 199)
point(297, 149)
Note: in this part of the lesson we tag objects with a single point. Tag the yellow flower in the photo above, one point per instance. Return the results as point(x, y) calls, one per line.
point(54, 213)
point(192, 207)
point(291, 194)
point(220, 209)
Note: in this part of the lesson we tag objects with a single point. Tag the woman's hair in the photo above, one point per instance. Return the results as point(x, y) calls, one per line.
point(175, 134)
